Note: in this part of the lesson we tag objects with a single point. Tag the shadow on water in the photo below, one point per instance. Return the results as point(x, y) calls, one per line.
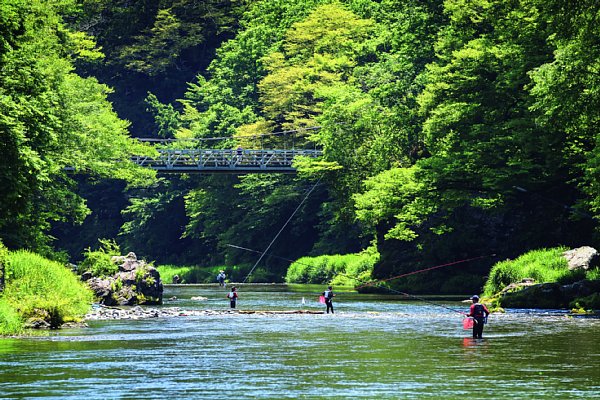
point(372, 347)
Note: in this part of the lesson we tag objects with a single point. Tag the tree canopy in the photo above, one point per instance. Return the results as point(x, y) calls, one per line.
point(449, 127)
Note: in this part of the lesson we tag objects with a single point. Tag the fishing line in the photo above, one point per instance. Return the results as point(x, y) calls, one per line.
point(421, 299)
point(427, 269)
point(563, 205)
point(375, 284)
point(282, 228)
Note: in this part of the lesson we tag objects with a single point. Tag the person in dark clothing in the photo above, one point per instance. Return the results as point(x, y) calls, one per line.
point(232, 296)
point(479, 312)
point(329, 295)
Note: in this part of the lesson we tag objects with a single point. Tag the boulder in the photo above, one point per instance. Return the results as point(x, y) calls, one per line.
point(584, 257)
point(550, 295)
point(135, 283)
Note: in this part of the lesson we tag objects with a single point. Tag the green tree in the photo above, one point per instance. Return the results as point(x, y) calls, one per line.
point(51, 119)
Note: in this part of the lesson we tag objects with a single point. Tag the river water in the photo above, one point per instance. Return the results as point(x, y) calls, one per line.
point(375, 347)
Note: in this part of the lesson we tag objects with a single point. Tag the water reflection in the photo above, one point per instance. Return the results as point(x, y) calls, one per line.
point(372, 347)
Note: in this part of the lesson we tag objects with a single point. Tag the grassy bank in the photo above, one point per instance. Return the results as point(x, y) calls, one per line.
point(543, 266)
point(38, 289)
point(342, 270)
point(546, 266)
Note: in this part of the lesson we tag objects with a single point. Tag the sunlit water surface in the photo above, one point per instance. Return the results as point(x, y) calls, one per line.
point(374, 347)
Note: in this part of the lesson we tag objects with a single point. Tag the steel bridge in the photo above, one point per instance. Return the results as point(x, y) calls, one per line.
point(240, 161)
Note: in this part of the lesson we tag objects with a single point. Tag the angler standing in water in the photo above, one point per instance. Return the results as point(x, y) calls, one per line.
point(221, 278)
point(329, 295)
point(479, 312)
point(232, 296)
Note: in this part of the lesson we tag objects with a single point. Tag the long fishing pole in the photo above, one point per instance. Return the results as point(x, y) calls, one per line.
point(281, 230)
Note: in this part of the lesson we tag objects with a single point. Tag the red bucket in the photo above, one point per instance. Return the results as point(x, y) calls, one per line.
point(468, 323)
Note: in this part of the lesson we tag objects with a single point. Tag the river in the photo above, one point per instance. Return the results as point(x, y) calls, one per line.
point(373, 347)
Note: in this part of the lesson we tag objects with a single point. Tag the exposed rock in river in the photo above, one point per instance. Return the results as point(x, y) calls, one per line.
point(551, 295)
point(136, 282)
point(584, 257)
point(581, 294)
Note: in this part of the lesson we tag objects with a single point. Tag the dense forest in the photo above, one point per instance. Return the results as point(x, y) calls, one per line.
point(451, 130)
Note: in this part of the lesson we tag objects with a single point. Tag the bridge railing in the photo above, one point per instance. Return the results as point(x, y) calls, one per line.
point(216, 160)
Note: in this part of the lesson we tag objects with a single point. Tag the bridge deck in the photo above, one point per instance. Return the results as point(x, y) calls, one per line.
point(224, 161)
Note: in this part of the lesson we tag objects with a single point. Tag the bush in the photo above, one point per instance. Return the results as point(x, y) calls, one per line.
point(38, 288)
point(99, 262)
point(343, 270)
point(545, 265)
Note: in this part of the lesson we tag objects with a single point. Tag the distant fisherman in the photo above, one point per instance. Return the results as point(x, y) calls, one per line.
point(232, 296)
point(329, 295)
point(479, 312)
point(221, 278)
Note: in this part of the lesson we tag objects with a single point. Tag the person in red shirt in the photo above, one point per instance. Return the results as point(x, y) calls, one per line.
point(479, 312)
point(232, 296)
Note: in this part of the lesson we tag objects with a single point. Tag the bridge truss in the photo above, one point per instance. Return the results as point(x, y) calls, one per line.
point(225, 161)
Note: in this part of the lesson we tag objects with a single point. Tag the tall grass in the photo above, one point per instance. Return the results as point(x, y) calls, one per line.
point(41, 289)
point(343, 270)
point(544, 265)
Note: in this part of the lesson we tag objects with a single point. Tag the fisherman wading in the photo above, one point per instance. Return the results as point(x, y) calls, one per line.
point(329, 295)
point(232, 296)
point(479, 312)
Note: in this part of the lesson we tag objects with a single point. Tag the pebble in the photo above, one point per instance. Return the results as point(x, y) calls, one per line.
point(138, 312)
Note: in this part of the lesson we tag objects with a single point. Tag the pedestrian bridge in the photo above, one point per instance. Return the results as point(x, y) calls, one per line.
point(225, 161)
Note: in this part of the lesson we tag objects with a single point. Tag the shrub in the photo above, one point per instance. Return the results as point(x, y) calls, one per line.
point(343, 270)
point(99, 262)
point(42, 289)
point(593, 274)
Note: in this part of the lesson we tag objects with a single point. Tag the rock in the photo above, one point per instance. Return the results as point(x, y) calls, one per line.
point(513, 287)
point(87, 275)
point(135, 283)
point(102, 289)
point(550, 295)
point(130, 263)
point(199, 298)
point(584, 257)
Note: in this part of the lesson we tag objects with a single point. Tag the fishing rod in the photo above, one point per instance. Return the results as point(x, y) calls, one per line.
point(281, 230)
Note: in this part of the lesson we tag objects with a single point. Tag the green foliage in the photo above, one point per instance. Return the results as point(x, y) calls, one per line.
point(10, 321)
point(189, 274)
point(52, 119)
point(545, 265)
point(38, 288)
point(99, 262)
point(3, 265)
point(593, 274)
point(166, 118)
point(344, 270)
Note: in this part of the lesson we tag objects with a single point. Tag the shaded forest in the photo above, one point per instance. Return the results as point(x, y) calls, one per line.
point(450, 129)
